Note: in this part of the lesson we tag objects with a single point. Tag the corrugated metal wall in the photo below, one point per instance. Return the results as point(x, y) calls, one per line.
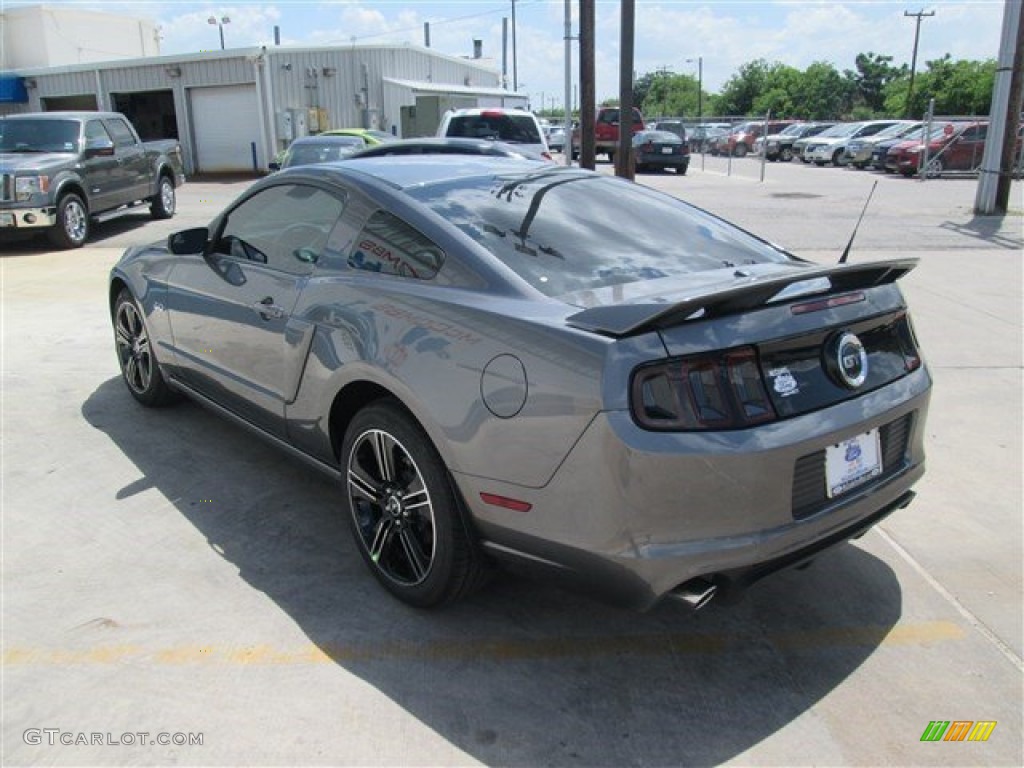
point(347, 81)
point(298, 80)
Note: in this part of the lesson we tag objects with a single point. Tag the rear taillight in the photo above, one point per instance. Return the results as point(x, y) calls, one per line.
point(648, 147)
point(719, 390)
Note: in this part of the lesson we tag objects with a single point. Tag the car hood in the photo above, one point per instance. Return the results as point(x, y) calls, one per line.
point(31, 161)
point(623, 310)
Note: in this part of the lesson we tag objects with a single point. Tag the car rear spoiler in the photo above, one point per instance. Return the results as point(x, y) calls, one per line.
point(742, 295)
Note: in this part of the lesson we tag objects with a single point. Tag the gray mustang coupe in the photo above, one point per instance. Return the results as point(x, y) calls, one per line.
point(562, 372)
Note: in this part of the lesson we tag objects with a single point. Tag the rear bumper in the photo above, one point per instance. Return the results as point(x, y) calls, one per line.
point(631, 515)
point(27, 218)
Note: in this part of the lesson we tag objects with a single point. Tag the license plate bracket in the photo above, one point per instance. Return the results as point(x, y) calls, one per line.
point(852, 462)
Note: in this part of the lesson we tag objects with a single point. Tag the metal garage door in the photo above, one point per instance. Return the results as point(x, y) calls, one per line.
point(225, 123)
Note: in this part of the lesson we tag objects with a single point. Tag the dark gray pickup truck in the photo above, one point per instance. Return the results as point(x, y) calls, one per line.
point(59, 171)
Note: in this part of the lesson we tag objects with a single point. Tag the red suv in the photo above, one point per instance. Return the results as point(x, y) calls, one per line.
point(741, 139)
point(606, 132)
point(954, 146)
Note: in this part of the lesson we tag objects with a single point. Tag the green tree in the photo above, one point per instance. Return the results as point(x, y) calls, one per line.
point(740, 90)
point(874, 73)
point(822, 93)
point(961, 87)
point(671, 94)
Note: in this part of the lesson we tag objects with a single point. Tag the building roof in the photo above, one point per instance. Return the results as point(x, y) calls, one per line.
point(423, 86)
point(251, 53)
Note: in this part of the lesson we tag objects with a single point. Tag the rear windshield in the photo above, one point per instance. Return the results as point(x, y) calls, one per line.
point(309, 154)
point(566, 231)
point(515, 129)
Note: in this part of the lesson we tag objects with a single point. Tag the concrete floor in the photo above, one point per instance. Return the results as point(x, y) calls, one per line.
point(164, 573)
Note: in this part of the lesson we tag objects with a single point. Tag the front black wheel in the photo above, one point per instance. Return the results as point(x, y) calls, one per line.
point(72, 228)
point(786, 154)
point(404, 512)
point(139, 367)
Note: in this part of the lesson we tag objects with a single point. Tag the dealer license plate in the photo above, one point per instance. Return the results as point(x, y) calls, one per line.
point(852, 463)
point(666, 150)
point(6, 219)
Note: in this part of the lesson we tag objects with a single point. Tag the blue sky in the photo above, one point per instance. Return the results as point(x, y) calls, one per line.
point(724, 34)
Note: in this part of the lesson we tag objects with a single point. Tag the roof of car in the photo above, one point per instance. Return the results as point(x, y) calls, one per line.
point(441, 145)
point(407, 171)
point(321, 139)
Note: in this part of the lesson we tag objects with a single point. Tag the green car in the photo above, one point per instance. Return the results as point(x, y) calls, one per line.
point(370, 136)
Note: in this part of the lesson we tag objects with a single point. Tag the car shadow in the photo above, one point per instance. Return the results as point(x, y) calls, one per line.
point(522, 673)
point(26, 243)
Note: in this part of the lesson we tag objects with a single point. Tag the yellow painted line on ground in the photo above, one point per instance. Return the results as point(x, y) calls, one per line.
point(916, 635)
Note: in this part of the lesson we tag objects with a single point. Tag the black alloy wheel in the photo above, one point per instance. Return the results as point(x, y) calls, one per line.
point(139, 367)
point(404, 513)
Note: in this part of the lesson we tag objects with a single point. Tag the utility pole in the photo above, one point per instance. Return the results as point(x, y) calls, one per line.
point(624, 151)
point(997, 164)
point(515, 60)
point(588, 85)
point(913, 59)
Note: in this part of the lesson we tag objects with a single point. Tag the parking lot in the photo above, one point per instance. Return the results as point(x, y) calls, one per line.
point(164, 573)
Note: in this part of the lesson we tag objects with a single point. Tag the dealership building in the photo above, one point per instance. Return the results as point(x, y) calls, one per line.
point(232, 110)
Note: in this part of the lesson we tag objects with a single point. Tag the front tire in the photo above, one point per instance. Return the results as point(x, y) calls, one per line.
point(740, 150)
point(404, 512)
point(72, 228)
point(164, 203)
point(786, 154)
point(139, 368)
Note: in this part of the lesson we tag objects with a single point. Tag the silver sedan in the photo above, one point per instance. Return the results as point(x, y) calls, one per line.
point(504, 362)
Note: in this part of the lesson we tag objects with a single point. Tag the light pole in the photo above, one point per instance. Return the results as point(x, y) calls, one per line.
point(700, 88)
point(220, 26)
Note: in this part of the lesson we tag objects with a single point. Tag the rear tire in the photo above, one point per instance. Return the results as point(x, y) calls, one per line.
point(404, 512)
point(72, 227)
point(163, 204)
point(740, 150)
point(786, 154)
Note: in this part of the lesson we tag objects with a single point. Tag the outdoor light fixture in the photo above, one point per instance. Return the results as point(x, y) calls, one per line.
point(219, 23)
point(172, 71)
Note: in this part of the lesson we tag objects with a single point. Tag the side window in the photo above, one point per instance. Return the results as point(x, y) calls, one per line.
point(94, 131)
point(123, 136)
point(390, 246)
point(285, 227)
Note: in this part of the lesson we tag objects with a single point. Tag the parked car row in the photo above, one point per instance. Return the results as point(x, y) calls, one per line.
point(895, 146)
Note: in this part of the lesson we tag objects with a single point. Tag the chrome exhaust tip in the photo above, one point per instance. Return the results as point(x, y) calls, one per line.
point(695, 593)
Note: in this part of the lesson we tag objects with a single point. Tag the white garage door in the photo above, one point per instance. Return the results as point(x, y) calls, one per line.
point(225, 121)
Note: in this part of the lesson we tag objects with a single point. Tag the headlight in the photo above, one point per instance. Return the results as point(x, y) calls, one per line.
point(26, 186)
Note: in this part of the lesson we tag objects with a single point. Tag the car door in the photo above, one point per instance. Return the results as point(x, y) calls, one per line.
point(130, 178)
point(100, 170)
point(966, 151)
point(235, 338)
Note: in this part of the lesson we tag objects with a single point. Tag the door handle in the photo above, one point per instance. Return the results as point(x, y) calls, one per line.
point(267, 309)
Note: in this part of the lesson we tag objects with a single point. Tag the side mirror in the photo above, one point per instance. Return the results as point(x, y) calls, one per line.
point(188, 241)
point(274, 166)
point(99, 148)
